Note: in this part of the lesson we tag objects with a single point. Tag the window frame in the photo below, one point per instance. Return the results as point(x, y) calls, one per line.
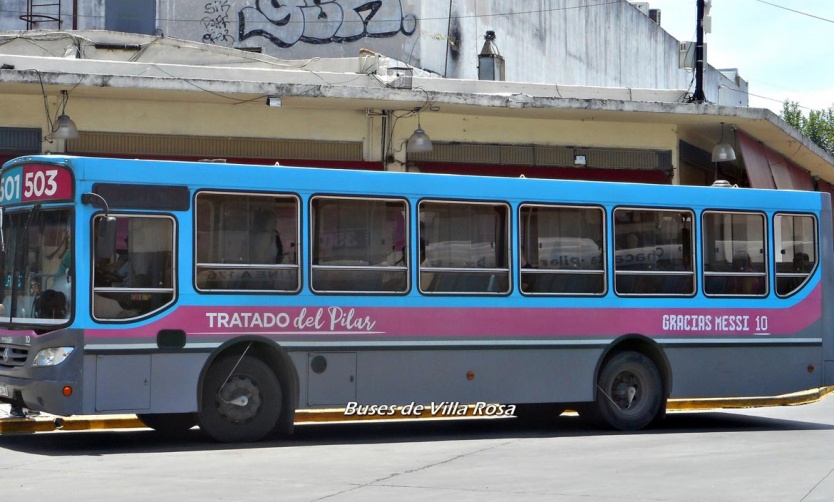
point(448, 271)
point(535, 271)
point(692, 273)
point(806, 276)
point(132, 290)
point(762, 275)
point(196, 264)
point(376, 269)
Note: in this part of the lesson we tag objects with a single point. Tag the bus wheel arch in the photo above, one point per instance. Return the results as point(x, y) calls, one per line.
point(251, 368)
point(632, 382)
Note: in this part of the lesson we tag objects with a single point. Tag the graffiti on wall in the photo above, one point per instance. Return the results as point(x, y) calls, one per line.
point(288, 22)
point(216, 22)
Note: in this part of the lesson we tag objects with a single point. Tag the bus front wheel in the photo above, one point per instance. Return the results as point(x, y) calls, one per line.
point(241, 400)
point(629, 394)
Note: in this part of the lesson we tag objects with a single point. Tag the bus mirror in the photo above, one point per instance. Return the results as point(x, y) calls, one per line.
point(106, 238)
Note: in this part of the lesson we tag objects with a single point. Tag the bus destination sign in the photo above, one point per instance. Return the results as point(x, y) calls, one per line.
point(35, 183)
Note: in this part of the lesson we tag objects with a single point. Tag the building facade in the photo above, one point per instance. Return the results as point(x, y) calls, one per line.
point(591, 91)
point(563, 42)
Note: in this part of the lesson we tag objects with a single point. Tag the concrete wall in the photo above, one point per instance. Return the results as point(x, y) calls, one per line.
point(90, 15)
point(564, 42)
point(610, 45)
point(9, 20)
point(295, 30)
point(570, 42)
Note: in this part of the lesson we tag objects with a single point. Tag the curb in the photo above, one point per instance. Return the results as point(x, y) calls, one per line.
point(795, 399)
point(109, 422)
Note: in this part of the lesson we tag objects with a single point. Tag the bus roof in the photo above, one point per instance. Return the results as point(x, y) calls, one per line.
point(310, 180)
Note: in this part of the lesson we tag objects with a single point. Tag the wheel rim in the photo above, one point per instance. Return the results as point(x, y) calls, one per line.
point(626, 392)
point(239, 401)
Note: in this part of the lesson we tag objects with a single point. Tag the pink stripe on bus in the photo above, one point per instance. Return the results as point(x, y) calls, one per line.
point(440, 322)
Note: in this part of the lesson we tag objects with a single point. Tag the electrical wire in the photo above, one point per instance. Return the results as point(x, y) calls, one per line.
point(796, 11)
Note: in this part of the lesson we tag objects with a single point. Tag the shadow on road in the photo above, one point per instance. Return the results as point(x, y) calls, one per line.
point(101, 443)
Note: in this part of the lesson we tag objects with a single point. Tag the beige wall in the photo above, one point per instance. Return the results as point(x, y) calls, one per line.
point(508, 130)
point(254, 120)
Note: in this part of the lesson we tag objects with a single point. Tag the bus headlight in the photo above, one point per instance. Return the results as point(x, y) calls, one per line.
point(52, 356)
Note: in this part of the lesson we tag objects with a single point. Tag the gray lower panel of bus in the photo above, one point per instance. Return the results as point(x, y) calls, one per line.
point(157, 383)
point(744, 371)
point(431, 376)
point(544, 375)
point(160, 383)
point(163, 383)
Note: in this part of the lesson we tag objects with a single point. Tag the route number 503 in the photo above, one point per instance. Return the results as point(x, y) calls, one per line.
point(39, 184)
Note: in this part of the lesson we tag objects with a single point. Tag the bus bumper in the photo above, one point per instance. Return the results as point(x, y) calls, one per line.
point(52, 389)
point(40, 395)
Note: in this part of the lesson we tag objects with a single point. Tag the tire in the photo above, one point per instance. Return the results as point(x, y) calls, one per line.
point(169, 424)
point(248, 405)
point(629, 394)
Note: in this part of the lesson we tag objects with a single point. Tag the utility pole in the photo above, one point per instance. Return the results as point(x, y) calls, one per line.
point(698, 95)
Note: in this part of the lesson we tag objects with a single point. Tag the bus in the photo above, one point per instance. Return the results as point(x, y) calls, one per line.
point(231, 296)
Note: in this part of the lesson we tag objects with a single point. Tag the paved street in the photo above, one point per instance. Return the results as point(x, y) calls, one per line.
point(779, 454)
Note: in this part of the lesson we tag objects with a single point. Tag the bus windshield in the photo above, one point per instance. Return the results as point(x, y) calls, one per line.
point(36, 266)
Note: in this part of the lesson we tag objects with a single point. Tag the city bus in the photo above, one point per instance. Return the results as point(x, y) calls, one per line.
point(230, 296)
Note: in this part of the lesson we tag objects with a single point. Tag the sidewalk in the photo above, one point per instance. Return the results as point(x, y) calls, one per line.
point(48, 423)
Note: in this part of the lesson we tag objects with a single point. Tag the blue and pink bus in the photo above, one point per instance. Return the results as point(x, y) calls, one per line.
point(230, 296)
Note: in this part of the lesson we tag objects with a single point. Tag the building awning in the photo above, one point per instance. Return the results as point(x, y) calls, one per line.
point(787, 175)
point(755, 162)
point(767, 169)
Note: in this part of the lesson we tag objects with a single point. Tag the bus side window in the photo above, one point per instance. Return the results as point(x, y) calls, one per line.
point(734, 258)
point(139, 279)
point(653, 252)
point(464, 247)
point(246, 242)
point(359, 245)
point(561, 250)
point(795, 238)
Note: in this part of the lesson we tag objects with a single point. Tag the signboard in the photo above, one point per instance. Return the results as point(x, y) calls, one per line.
point(35, 183)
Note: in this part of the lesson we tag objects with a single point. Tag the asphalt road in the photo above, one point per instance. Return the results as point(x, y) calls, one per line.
point(779, 454)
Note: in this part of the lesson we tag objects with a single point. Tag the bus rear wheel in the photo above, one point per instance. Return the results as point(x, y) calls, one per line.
point(241, 400)
point(629, 393)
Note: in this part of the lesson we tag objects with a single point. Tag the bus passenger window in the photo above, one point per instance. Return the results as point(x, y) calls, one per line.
point(246, 242)
point(734, 254)
point(653, 252)
point(359, 245)
point(464, 247)
point(561, 250)
point(139, 278)
point(795, 238)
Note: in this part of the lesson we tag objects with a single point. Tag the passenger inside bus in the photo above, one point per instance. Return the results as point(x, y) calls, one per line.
point(53, 301)
point(112, 274)
point(50, 304)
point(745, 284)
point(802, 263)
point(66, 257)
